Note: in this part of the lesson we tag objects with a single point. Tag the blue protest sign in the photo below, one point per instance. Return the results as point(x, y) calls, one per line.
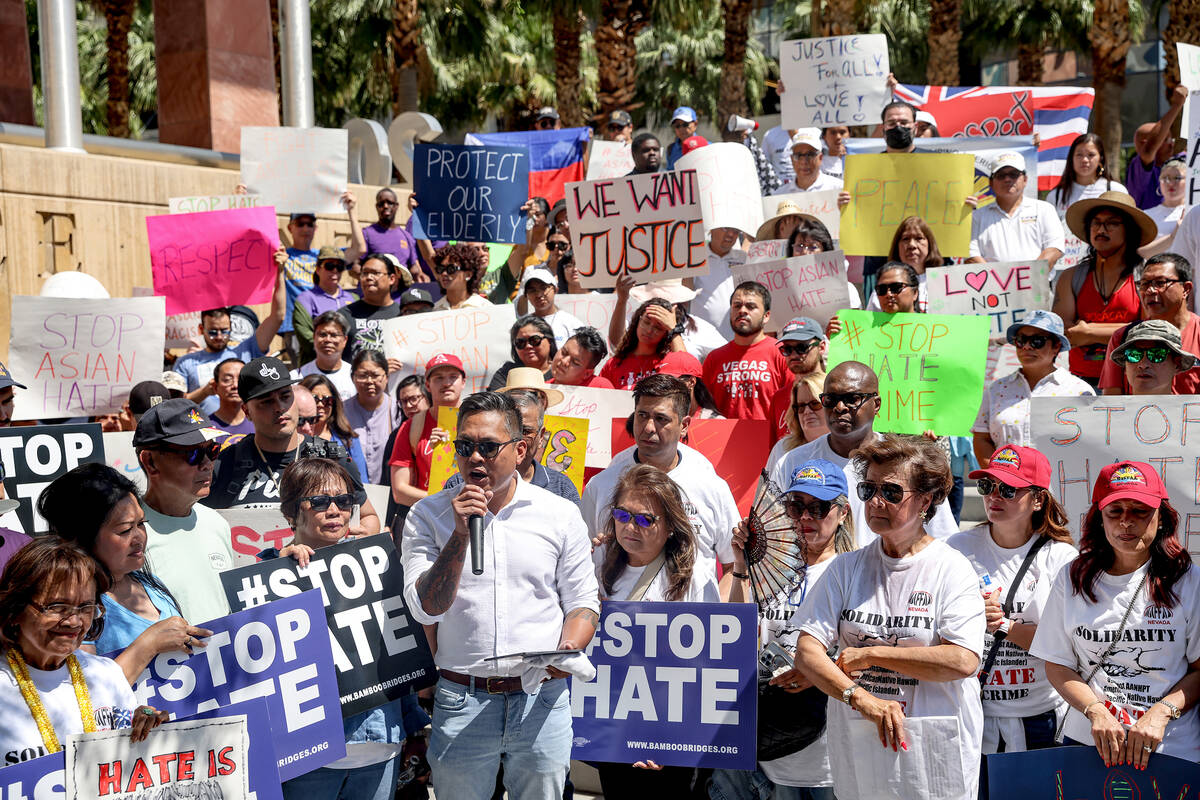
point(1077, 773)
point(279, 652)
point(263, 771)
point(470, 193)
point(676, 683)
point(42, 778)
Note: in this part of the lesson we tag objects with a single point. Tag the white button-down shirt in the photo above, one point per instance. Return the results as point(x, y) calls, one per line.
point(1032, 227)
point(537, 568)
point(1005, 410)
point(823, 183)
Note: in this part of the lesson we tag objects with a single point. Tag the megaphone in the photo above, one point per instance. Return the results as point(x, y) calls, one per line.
point(741, 124)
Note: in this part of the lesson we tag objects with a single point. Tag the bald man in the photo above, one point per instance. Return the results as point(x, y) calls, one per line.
point(851, 401)
point(306, 410)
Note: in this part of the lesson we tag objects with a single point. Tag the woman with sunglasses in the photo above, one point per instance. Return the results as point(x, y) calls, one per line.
point(1004, 413)
point(457, 269)
point(1120, 632)
point(533, 345)
point(654, 560)
point(1172, 182)
point(913, 244)
point(331, 423)
point(652, 333)
point(371, 410)
point(805, 417)
point(905, 616)
point(817, 503)
point(1016, 555)
point(1152, 355)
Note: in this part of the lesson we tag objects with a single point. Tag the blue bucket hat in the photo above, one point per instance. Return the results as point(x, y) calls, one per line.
point(1046, 321)
point(819, 478)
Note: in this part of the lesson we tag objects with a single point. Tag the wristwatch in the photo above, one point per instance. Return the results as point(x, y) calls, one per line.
point(848, 692)
point(1174, 709)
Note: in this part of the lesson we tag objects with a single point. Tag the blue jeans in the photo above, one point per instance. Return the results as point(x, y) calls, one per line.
point(734, 784)
point(362, 783)
point(475, 732)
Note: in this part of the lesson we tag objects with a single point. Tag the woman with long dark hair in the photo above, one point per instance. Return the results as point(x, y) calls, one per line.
point(1120, 633)
point(914, 244)
point(1085, 175)
point(653, 332)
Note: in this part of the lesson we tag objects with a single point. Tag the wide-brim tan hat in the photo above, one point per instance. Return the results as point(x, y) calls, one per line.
point(532, 378)
point(1117, 201)
point(786, 208)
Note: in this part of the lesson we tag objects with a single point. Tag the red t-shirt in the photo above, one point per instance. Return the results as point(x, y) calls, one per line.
point(594, 382)
point(1087, 360)
point(744, 380)
point(421, 461)
point(625, 374)
point(1113, 374)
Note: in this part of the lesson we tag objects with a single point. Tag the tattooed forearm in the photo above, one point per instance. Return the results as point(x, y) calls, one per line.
point(579, 626)
point(585, 614)
point(438, 587)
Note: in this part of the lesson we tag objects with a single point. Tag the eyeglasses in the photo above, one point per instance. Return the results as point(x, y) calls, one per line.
point(811, 405)
point(545, 124)
point(890, 492)
point(193, 455)
point(800, 247)
point(320, 502)
point(1157, 284)
point(1172, 178)
point(305, 223)
point(1037, 341)
point(466, 447)
point(680, 124)
point(986, 486)
point(533, 341)
point(797, 348)
point(1155, 355)
point(817, 510)
point(313, 420)
point(623, 516)
point(1007, 175)
point(616, 126)
point(217, 333)
point(57, 612)
point(882, 289)
point(1108, 224)
point(559, 246)
point(851, 400)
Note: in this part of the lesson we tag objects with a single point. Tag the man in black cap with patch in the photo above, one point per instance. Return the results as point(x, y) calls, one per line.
point(7, 396)
point(618, 127)
point(547, 119)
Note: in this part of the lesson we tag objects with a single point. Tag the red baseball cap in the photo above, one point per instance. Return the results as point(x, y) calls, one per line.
point(680, 363)
point(1018, 467)
point(1129, 480)
point(693, 143)
point(444, 360)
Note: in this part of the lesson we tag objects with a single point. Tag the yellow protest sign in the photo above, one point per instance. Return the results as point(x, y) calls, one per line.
point(886, 188)
point(442, 464)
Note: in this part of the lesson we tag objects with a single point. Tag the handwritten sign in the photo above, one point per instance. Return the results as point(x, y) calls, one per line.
point(1003, 291)
point(649, 226)
point(120, 455)
point(811, 285)
point(470, 193)
point(215, 202)
point(837, 80)
point(34, 456)
point(767, 250)
point(729, 187)
point(82, 357)
point(930, 367)
point(592, 309)
point(599, 407)
point(478, 336)
point(985, 149)
point(884, 189)
point(1189, 73)
point(1193, 147)
point(822, 205)
point(1079, 773)
point(296, 169)
point(213, 259)
point(252, 530)
point(609, 160)
point(183, 330)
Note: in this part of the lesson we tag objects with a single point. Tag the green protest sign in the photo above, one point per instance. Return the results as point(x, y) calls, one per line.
point(930, 367)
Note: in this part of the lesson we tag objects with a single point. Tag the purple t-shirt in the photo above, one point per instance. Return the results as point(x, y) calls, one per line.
point(1142, 183)
point(396, 241)
point(10, 542)
point(245, 426)
point(316, 302)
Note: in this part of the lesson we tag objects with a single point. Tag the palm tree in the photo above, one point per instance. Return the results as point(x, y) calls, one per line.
point(118, 19)
point(1184, 26)
point(568, 25)
point(620, 22)
point(732, 98)
point(405, 43)
point(945, 31)
point(835, 18)
point(1110, 39)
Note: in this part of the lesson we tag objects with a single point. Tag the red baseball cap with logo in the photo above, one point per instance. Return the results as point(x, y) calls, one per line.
point(1018, 467)
point(1129, 480)
point(444, 360)
point(680, 363)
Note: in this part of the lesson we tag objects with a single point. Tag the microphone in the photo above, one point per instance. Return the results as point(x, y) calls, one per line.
point(475, 528)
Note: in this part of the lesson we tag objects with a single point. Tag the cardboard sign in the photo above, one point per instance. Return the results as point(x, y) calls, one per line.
point(592, 309)
point(252, 530)
point(599, 407)
point(470, 193)
point(729, 187)
point(380, 654)
point(195, 758)
point(885, 189)
point(296, 169)
point(676, 683)
point(478, 336)
point(930, 367)
point(811, 285)
point(822, 205)
point(649, 226)
point(609, 160)
point(1189, 73)
point(1080, 435)
point(1003, 291)
point(81, 357)
point(35, 455)
point(767, 250)
point(213, 259)
point(985, 149)
point(278, 651)
point(1079, 773)
point(216, 202)
point(837, 80)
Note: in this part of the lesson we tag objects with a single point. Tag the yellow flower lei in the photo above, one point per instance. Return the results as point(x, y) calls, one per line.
point(34, 700)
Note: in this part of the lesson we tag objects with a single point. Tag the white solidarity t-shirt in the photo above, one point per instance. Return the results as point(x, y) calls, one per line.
point(113, 705)
point(1017, 685)
point(1154, 652)
point(868, 599)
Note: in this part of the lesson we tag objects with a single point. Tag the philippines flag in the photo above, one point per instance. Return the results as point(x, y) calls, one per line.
point(555, 157)
point(1058, 114)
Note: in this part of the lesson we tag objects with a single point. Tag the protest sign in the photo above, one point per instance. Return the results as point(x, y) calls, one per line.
point(252, 530)
point(930, 367)
point(296, 169)
point(41, 778)
point(215, 202)
point(609, 160)
point(213, 259)
point(822, 205)
point(192, 758)
point(811, 285)
point(35, 455)
point(985, 149)
point(836, 80)
point(676, 683)
point(182, 329)
point(592, 309)
point(1189, 73)
point(262, 774)
point(1003, 291)
point(470, 193)
point(380, 654)
point(1078, 773)
point(1192, 123)
point(82, 357)
point(120, 455)
point(599, 407)
point(767, 250)
point(932, 765)
point(1080, 435)
point(649, 226)
point(975, 110)
point(728, 182)
point(280, 652)
point(478, 336)
point(1074, 251)
point(885, 189)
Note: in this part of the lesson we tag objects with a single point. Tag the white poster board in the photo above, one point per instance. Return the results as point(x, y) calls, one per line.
point(296, 169)
point(836, 80)
point(215, 202)
point(766, 250)
point(1189, 72)
point(729, 187)
point(811, 285)
point(1005, 291)
point(609, 159)
point(822, 205)
point(1192, 127)
point(599, 407)
point(478, 336)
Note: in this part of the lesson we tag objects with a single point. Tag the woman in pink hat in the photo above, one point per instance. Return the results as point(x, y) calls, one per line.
point(1120, 633)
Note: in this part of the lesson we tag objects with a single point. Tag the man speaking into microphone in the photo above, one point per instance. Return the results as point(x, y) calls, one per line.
point(537, 592)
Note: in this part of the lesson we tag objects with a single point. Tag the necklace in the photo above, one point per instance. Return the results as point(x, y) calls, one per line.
point(270, 470)
point(34, 700)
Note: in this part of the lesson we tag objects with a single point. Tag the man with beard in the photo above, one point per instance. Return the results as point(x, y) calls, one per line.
point(647, 154)
point(745, 374)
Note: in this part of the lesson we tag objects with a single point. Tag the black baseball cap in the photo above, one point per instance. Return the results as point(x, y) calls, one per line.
point(263, 376)
point(416, 295)
point(146, 395)
point(177, 421)
point(6, 378)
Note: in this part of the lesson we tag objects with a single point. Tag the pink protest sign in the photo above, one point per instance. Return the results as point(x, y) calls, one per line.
point(212, 259)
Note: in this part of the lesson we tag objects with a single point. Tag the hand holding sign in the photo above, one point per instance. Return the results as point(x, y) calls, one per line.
point(836, 80)
point(471, 193)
